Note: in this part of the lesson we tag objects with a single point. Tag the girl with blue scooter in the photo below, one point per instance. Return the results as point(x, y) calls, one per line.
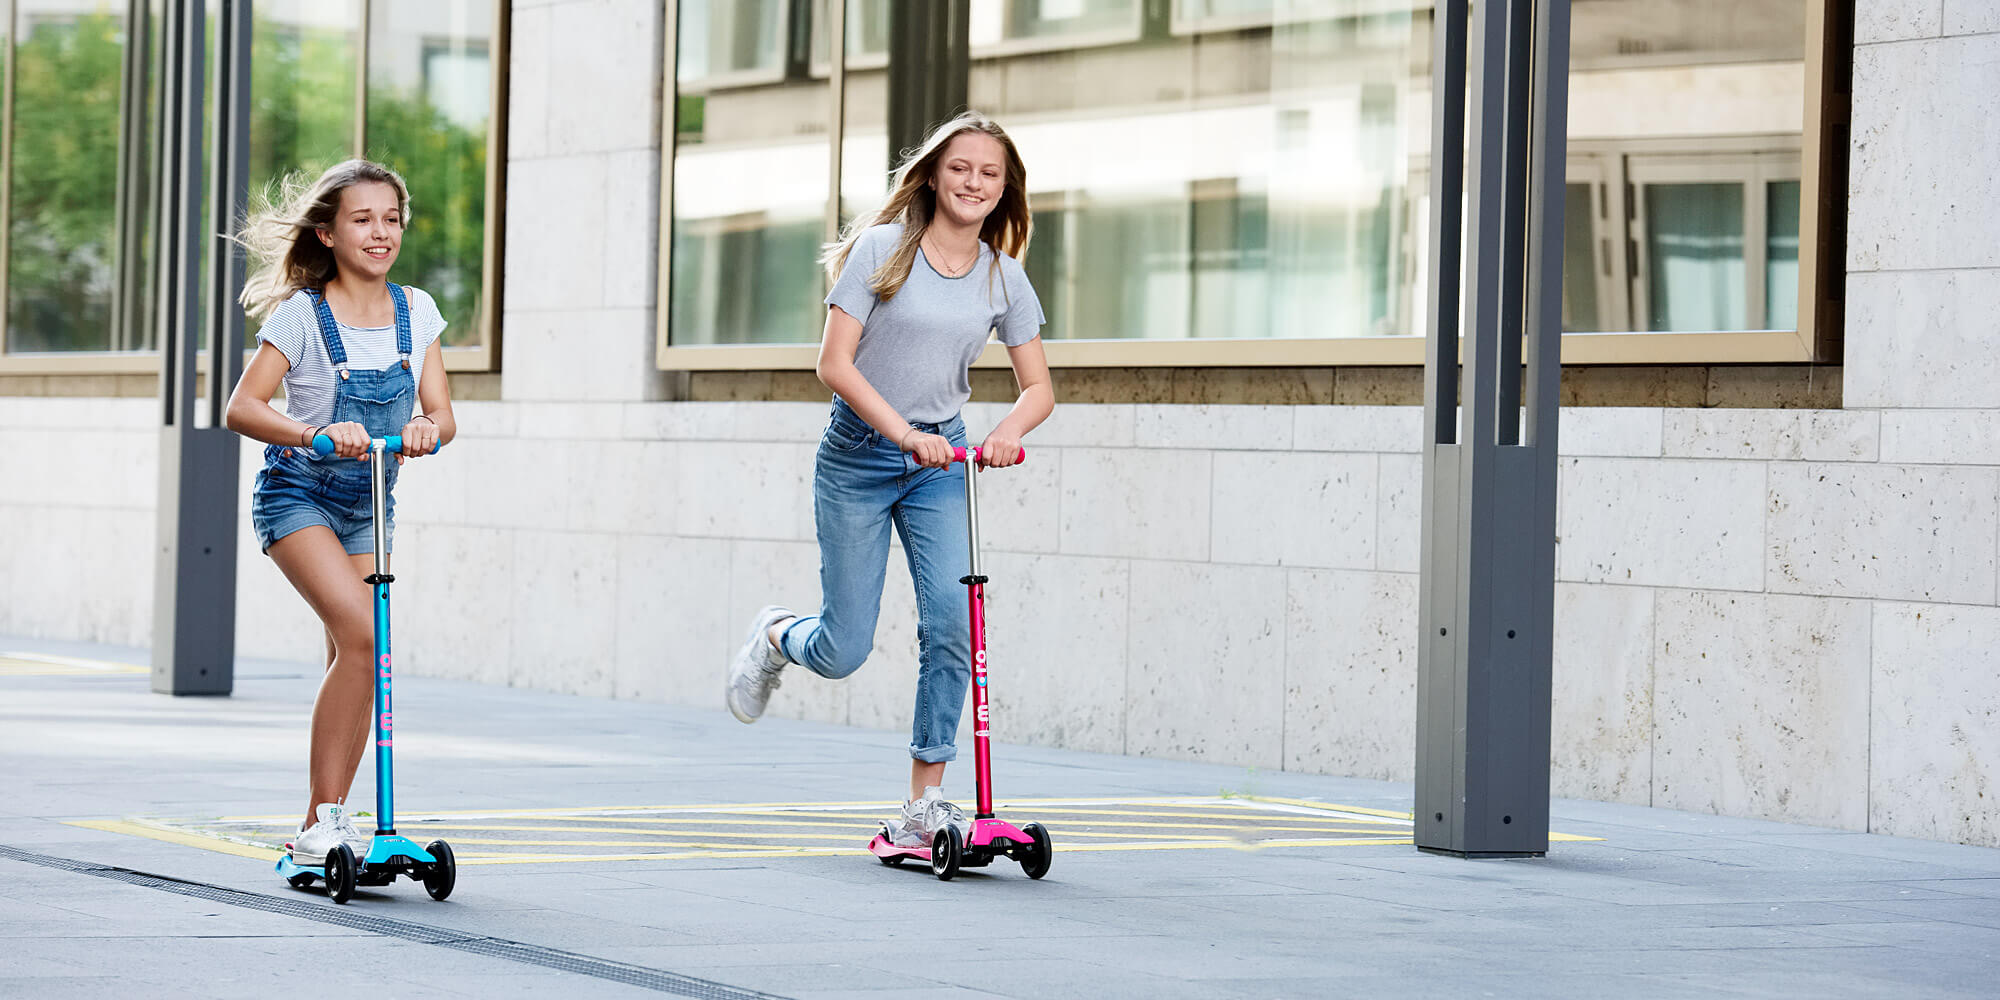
point(360, 360)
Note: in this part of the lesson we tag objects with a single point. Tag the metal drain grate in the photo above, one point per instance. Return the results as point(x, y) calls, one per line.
point(442, 937)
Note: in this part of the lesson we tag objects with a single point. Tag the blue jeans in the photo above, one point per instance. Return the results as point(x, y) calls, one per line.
point(862, 484)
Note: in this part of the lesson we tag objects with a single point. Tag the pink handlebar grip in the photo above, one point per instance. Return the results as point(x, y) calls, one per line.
point(972, 454)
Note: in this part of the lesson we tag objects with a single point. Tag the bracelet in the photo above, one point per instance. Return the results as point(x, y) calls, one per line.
point(902, 442)
point(423, 416)
point(306, 438)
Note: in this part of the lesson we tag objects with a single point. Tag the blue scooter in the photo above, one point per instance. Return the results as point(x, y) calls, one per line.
point(389, 855)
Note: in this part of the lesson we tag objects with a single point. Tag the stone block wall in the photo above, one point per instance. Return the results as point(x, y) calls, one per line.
point(1741, 628)
point(1792, 614)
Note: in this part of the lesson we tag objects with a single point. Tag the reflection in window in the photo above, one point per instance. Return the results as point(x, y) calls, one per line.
point(302, 67)
point(61, 239)
point(867, 35)
point(1781, 257)
point(1579, 298)
point(1225, 169)
point(721, 38)
point(430, 99)
point(750, 187)
point(1694, 247)
point(1243, 184)
point(996, 21)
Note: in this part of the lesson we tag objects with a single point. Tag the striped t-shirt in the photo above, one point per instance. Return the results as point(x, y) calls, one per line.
point(294, 329)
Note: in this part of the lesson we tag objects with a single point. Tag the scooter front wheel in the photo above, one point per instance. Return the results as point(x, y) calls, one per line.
point(947, 850)
point(442, 874)
point(1041, 851)
point(340, 873)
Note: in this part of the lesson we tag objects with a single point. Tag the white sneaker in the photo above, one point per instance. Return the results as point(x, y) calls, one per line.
point(753, 673)
point(310, 847)
point(922, 818)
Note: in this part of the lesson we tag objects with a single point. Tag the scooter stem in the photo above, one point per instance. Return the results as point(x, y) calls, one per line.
point(385, 741)
point(975, 586)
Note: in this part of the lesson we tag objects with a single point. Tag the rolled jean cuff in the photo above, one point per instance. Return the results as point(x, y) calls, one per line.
point(935, 755)
point(796, 651)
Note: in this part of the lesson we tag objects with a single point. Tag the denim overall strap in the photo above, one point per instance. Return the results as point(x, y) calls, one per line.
point(329, 331)
point(402, 301)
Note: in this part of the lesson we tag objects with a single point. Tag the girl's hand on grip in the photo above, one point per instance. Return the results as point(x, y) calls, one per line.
point(350, 440)
point(420, 438)
point(998, 452)
point(929, 450)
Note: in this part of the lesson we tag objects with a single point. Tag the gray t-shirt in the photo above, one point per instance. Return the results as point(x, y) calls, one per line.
point(916, 348)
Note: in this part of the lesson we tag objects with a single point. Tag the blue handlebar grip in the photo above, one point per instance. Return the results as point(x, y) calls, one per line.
point(323, 445)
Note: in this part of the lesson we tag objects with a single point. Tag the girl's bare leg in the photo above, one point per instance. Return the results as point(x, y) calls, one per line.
point(331, 581)
point(923, 774)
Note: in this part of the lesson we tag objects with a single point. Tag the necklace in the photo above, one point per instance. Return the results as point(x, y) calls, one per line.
point(953, 270)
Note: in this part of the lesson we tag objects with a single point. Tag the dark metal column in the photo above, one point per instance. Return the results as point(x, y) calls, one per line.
point(194, 580)
point(1487, 596)
point(928, 65)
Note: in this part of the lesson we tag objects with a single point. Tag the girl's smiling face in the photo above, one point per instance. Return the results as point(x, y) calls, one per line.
point(971, 176)
point(367, 232)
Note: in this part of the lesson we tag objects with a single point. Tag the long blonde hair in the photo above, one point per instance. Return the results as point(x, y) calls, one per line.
point(913, 203)
point(285, 253)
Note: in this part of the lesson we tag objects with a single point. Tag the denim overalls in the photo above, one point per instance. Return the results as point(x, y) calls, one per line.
point(297, 489)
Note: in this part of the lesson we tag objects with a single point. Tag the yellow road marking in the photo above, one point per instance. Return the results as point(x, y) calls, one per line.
point(1310, 804)
point(852, 830)
point(181, 837)
point(860, 808)
point(775, 829)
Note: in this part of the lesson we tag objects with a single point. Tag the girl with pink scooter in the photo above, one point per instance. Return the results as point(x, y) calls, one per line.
point(918, 288)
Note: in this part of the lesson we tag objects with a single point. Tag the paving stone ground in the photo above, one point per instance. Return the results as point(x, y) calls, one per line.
point(615, 849)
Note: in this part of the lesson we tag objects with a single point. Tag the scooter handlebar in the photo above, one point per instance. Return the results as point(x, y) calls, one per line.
point(393, 444)
point(972, 454)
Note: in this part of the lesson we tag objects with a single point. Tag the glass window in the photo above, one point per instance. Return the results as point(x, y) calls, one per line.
point(1579, 301)
point(867, 36)
point(749, 189)
point(1247, 184)
point(68, 61)
point(430, 105)
point(864, 146)
point(429, 100)
point(302, 84)
point(996, 22)
point(1694, 247)
point(1781, 257)
point(720, 39)
point(1258, 169)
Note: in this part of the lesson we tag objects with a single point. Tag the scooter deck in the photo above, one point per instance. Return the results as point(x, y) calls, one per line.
point(989, 838)
point(883, 847)
point(389, 855)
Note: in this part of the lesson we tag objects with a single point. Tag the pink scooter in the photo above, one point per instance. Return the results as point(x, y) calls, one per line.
point(949, 849)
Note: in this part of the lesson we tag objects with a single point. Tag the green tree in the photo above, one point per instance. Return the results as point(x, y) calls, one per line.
point(444, 244)
point(61, 240)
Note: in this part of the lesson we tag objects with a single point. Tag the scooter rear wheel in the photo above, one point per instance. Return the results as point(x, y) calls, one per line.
point(947, 850)
point(340, 873)
point(300, 881)
point(442, 874)
point(1035, 860)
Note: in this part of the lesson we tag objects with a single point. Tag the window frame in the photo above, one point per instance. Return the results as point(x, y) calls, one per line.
point(483, 358)
point(1815, 340)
